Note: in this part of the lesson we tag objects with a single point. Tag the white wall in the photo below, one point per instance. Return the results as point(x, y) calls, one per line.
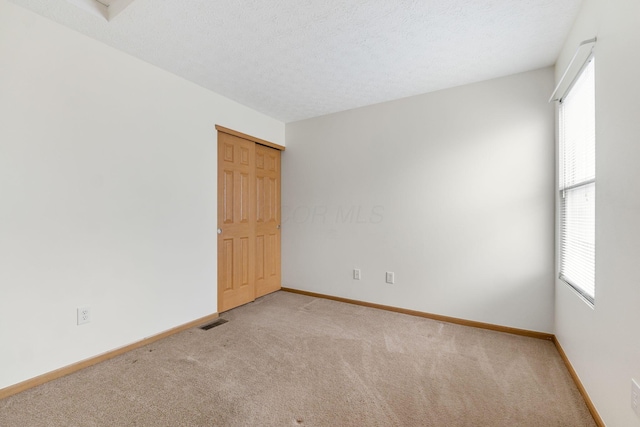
point(107, 195)
point(453, 191)
point(603, 343)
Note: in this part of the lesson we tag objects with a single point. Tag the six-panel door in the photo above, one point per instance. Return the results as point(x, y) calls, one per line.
point(248, 221)
point(267, 220)
point(236, 228)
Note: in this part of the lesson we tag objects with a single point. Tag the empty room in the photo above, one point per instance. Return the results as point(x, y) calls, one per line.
point(365, 213)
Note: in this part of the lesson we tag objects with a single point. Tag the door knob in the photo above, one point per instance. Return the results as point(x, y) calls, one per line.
point(219, 230)
point(278, 227)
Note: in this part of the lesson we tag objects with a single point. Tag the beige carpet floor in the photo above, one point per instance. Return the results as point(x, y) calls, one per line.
point(293, 360)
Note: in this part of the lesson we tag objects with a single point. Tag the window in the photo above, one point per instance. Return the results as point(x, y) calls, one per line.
point(577, 179)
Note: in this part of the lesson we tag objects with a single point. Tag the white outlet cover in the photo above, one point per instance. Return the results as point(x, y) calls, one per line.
point(356, 274)
point(84, 315)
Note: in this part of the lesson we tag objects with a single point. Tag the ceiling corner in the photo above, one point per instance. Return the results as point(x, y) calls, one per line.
point(107, 9)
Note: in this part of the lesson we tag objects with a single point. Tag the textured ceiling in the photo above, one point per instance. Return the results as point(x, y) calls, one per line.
point(295, 59)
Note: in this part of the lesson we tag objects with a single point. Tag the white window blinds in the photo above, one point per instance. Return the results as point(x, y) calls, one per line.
point(577, 184)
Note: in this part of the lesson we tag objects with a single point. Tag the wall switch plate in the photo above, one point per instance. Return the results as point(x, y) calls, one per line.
point(84, 315)
point(391, 277)
point(635, 396)
point(356, 274)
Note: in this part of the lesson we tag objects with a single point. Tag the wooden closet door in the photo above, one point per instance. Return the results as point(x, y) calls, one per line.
point(267, 265)
point(236, 221)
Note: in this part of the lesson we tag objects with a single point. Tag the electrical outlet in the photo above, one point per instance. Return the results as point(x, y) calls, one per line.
point(83, 315)
point(356, 274)
point(391, 277)
point(635, 397)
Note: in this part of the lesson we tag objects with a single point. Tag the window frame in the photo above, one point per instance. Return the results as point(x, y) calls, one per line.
point(563, 189)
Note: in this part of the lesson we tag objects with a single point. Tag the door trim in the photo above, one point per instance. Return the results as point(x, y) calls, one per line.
point(250, 138)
